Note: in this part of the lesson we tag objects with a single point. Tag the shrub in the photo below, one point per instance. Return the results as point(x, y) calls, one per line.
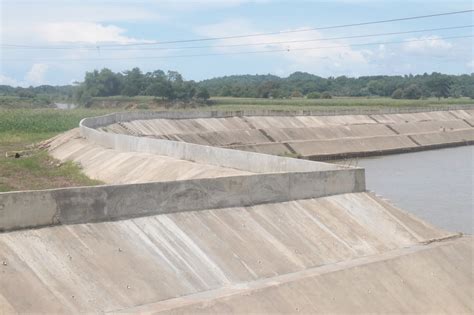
point(397, 94)
point(296, 94)
point(326, 95)
point(313, 95)
point(412, 92)
point(202, 94)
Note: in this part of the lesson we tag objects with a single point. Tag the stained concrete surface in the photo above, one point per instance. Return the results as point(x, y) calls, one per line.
point(349, 252)
point(388, 283)
point(120, 167)
point(112, 266)
point(314, 136)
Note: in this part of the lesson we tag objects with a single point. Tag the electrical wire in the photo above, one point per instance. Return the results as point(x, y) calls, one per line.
point(254, 44)
point(245, 52)
point(270, 33)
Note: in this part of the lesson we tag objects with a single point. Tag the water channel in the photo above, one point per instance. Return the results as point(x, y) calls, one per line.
point(436, 185)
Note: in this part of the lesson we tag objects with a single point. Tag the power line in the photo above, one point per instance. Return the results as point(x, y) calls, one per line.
point(273, 33)
point(246, 52)
point(302, 30)
point(257, 44)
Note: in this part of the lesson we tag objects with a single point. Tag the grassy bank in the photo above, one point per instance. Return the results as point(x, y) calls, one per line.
point(227, 103)
point(237, 103)
point(20, 130)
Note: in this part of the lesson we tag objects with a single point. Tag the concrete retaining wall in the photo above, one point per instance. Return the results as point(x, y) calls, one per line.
point(103, 203)
point(247, 161)
point(105, 120)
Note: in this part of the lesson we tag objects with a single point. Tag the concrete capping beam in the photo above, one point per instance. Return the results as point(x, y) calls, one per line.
point(34, 209)
point(100, 121)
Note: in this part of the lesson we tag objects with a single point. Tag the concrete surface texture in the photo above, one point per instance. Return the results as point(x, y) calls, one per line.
point(113, 202)
point(313, 136)
point(114, 266)
point(196, 226)
point(120, 167)
point(375, 285)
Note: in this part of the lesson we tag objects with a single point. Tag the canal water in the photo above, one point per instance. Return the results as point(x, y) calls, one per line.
point(65, 105)
point(436, 185)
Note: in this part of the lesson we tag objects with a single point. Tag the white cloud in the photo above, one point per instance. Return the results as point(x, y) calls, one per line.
point(28, 22)
point(308, 53)
point(76, 11)
point(5, 80)
point(83, 32)
point(427, 45)
point(36, 74)
point(470, 64)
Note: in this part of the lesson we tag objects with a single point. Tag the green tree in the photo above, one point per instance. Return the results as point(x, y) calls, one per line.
point(397, 94)
point(326, 95)
point(412, 92)
point(202, 94)
point(296, 93)
point(133, 82)
point(267, 89)
point(440, 85)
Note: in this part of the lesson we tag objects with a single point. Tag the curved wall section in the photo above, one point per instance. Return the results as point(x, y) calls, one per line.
point(242, 160)
point(274, 179)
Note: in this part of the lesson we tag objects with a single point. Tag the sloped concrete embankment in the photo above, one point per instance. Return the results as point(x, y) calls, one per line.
point(275, 256)
point(307, 134)
point(293, 236)
point(269, 179)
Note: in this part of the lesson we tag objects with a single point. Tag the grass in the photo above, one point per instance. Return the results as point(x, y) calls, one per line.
point(20, 129)
point(234, 103)
point(33, 121)
point(40, 171)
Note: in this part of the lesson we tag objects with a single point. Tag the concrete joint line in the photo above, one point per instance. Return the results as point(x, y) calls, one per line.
point(248, 287)
point(413, 140)
point(391, 128)
point(467, 122)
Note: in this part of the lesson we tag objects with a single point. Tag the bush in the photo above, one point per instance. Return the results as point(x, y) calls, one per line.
point(296, 94)
point(202, 94)
point(412, 92)
point(397, 94)
point(313, 95)
point(326, 95)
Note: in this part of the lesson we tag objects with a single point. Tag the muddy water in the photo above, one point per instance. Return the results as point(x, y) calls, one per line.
point(434, 185)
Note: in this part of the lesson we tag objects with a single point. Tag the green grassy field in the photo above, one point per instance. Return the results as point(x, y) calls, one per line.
point(20, 130)
point(339, 102)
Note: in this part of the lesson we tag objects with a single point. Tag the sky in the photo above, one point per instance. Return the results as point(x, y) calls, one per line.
point(66, 38)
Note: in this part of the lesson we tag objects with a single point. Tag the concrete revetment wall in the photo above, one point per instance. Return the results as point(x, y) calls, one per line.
point(29, 209)
point(281, 235)
point(269, 179)
point(306, 134)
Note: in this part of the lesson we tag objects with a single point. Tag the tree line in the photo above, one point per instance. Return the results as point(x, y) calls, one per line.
point(167, 86)
point(301, 84)
point(171, 86)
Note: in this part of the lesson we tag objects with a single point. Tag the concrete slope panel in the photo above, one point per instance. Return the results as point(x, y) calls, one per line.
point(430, 126)
point(353, 145)
point(117, 167)
point(436, 279)
point(123, 264)
point(438, 138)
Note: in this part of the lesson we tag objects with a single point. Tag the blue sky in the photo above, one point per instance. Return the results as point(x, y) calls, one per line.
point(82, 25)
